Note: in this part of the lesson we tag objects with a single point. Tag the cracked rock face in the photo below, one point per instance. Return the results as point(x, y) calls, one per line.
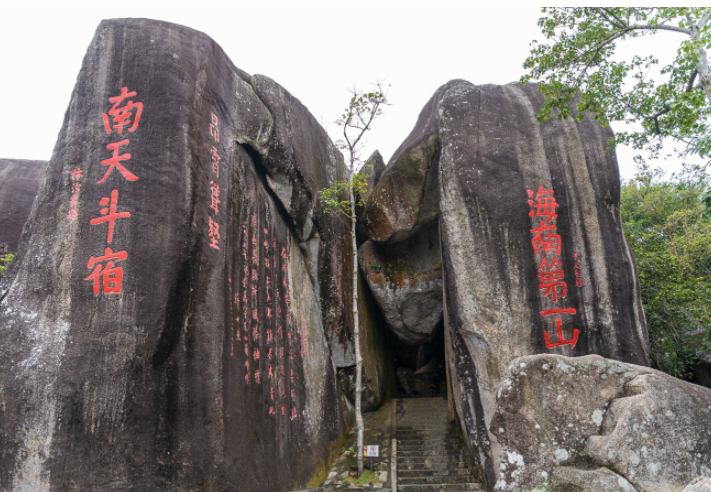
point(195, 356)
point(558, 416)
point(19, 181)
point(406, 281)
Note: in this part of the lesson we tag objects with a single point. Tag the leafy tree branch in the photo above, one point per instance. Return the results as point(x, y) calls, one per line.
point(579, 68)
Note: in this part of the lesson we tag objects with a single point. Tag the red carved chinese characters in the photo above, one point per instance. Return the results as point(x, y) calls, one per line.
point(579, 282)
point(545, 204)
point(214, 196)
point(109, 214)
point(112, 276)
point(129, 113)
point(213, 225)
point(213, 233)
point(275, 343)
point(551, 279)
point(123, 114)
point(115, 162)
point(546, 241)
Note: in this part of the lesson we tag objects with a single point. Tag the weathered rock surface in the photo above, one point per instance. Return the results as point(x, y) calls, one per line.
point(558, 416)
point(702, 484)
point(570, 479)
point(529, 224)
point(181, 347)
point(406, 281)
point(19, 181)
point(378, 370)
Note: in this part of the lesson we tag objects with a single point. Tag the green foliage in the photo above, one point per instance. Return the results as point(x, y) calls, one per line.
point(332, 197)
point(4, 261)
point(667, 226)
point(580, 62)
point(366, 478)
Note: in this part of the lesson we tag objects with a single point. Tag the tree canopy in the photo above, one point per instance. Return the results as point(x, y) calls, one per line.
point(579, 67)
point(668, 227)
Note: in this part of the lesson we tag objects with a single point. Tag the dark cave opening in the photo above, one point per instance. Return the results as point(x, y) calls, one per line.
point(420, 369)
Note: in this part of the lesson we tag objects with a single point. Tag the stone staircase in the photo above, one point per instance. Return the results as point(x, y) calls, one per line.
point(430, 452)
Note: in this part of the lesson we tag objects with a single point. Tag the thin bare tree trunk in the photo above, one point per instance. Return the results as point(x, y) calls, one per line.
point(356, 331)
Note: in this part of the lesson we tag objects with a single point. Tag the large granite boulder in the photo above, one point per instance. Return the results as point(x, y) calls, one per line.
point(534, 259)
point(19, 181)
point(590, 424)
point(164, 329)
point(406, 281)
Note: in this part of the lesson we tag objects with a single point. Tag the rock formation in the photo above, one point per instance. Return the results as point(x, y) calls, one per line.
point(177, 285)
point(176, 317)
point(580, 423)
point(406, 281)
point(534, 260)
point(19, 182)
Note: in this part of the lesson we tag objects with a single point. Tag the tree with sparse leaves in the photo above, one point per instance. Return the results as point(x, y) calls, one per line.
point(579, 64)
point(357, 119)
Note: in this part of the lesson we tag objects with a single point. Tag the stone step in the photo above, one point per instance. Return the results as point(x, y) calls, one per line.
point(431, 465)
point(434, 440)
point(434, 479)
point(427, 433)
point(419, 472)
point(442, 487)
point(440, 426)
point(430, 446)
point(429, 453)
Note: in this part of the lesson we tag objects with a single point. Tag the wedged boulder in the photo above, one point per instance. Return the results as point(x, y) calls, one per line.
point(406, 281)
point(164, 330)
point(19, 181)
point(534, 259)
point(591, 424)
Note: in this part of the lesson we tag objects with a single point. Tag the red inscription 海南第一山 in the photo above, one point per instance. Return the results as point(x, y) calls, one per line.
point(123, 114)
point(546, 241)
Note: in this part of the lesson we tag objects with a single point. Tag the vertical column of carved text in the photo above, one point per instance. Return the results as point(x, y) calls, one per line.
point(213, 225)
point(547, 244)
point(124, 114)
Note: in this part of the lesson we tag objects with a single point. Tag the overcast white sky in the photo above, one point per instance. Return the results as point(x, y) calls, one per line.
point(314, 49)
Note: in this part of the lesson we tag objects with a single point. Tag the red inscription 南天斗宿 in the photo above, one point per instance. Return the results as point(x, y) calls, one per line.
point(124, 113)
point(112, 276)
point(109, 214)
point(115, 162)
point(121, 116)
